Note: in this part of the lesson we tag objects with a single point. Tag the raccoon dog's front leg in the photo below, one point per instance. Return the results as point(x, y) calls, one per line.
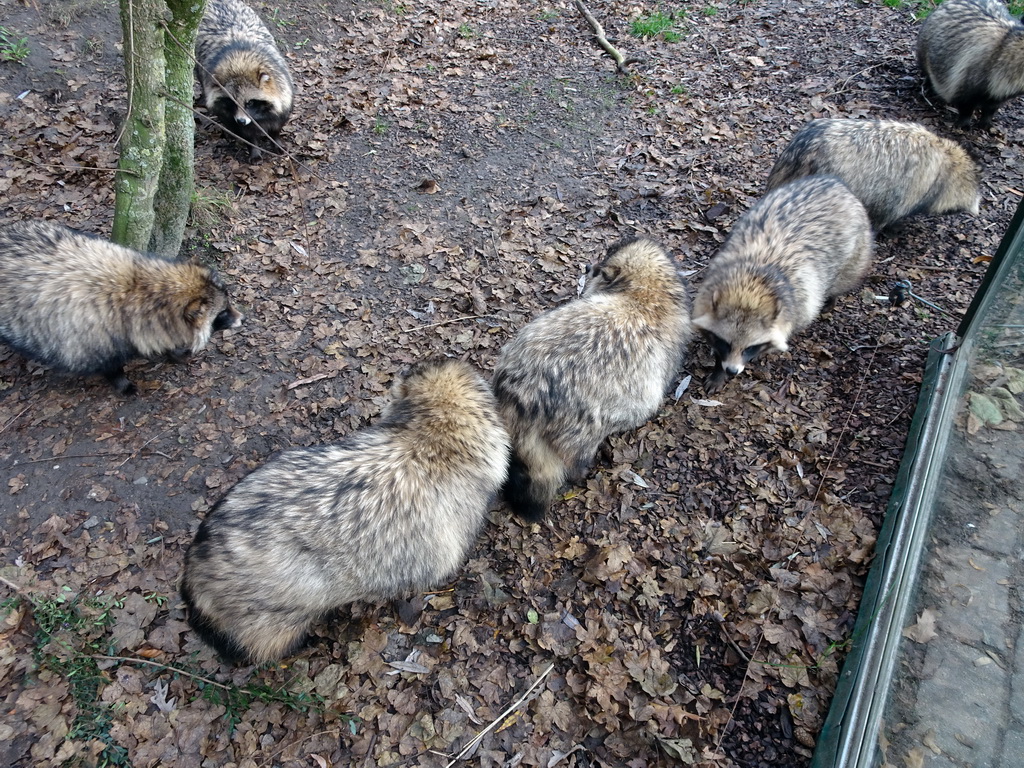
point(717, 378)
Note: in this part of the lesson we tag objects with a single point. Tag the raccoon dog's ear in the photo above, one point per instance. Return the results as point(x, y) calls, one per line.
point(400, 384)
point(716, 296)
point(264, 78)
point(608, 276)
point(702, 322)
point(194, 309)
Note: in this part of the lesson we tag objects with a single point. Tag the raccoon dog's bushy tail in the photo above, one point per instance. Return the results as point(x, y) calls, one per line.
point(534, 477)
point(519, 492)
point(260, 639)
point(227, 646)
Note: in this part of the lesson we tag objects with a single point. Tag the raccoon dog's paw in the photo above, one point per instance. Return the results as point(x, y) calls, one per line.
point(716, 380)
point(120, 382)
point(179, 355)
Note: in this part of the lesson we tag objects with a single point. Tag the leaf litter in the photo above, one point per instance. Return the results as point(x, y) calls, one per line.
point(690, 602)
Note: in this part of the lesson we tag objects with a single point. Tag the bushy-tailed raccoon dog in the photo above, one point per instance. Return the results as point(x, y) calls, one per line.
point(244, 79)
point(392, 509)
point(972, 54)
point(84, 305)
point(895, 169)
point(797, 247)
point(591, 367)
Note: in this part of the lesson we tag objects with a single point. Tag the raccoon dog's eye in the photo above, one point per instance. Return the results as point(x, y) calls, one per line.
point(721, 347)
point(753, 351)
point(222, 320)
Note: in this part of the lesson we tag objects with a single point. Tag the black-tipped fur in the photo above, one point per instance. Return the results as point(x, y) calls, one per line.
point(392, 509)
point(87, 306)
point(520, 494)
point(245, 81)
point(224, 644)
point(798, 245)
point(594, 366)
point(895, 169)
point(971, 53)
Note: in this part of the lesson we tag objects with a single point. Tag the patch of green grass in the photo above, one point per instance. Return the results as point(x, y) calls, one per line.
point(658, 23)
point(12, 47)
point(238, 701)
point(276, 19)
point(548, 14)
point(710, 10)
point(396, 8)
point(1016, 7)
point(678, 90)
point(71, 629)
point(924, 8)
point(919, 9)
point(465, 31)
point(380, 127)
point(209, 207)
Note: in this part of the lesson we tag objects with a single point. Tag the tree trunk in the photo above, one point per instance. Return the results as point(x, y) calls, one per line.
point(177, 175)
point(142, 141)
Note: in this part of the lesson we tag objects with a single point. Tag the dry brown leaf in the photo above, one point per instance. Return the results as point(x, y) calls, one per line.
point(924, 629)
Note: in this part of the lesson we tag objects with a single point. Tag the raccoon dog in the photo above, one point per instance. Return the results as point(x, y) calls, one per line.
point(391, 510)
point(244, 78)
point(972, 54)
point(797, 247)
point(895, 169)
point(594, 366)
point(87, 306)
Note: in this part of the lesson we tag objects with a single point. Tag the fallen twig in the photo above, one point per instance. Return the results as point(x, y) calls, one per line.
point(310, 380)
point(20, 590)
point(392, 336)
point(168, 667)
point(501, 718)
point(65, 167)
point(620, 60)
point(14, 418)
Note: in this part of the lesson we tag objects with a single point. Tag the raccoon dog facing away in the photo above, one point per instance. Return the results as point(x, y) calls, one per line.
point(392, 509)
point(972, 54)
point(797, 247)
point(597, 365)
point(244, 79)
point(895, 169)
point(87, 306)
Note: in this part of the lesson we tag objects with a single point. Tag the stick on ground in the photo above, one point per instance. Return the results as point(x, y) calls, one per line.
point(620, 61)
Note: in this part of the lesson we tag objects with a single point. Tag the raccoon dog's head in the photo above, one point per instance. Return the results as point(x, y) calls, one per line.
point(632, 265)
point(207, 308)
point(742, 318)
point(242, 108)
point(434, 387)
point(250, 92)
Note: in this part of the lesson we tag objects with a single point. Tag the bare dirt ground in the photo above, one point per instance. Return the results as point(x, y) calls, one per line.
point(461, 163)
